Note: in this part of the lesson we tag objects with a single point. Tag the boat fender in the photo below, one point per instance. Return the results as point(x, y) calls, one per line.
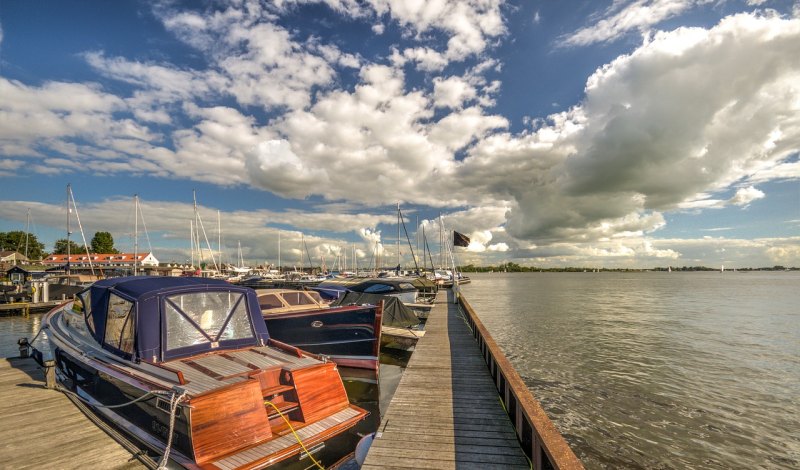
point(363, 447)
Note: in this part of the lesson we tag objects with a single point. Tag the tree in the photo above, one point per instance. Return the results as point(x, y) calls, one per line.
point(103, 242)
point(60, 247)
point(15, 241)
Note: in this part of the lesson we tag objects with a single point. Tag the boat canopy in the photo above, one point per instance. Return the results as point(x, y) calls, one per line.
point(163, 318)
point(335, 288)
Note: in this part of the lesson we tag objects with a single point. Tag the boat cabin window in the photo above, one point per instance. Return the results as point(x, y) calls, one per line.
point(269, 301)
point(378, 288)
point(86, 298)
point(407, 286)
point(315, 295)
point(119, 324)
point(206, 317)
point(297, 298)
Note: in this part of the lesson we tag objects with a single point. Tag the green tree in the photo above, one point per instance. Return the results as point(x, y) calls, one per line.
point(60, 247)
point(15, 241)
point(103, 242)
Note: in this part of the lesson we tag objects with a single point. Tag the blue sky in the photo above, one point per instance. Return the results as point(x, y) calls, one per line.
point(617, 134)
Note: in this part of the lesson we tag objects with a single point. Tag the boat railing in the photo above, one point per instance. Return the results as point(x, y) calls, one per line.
point(540, 439)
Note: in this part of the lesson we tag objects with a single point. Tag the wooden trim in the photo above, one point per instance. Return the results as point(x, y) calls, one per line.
point(288, 348)
point(548, 443)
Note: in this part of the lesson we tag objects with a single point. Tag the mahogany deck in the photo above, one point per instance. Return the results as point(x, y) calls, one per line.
point(446, 412)
point(43, 429)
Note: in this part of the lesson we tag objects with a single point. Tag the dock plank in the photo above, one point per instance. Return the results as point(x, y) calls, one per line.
point(43, 429)
point(446, 413)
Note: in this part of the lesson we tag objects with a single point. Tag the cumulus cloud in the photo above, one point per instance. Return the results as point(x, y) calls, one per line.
point(745, 196)
point(657, 127)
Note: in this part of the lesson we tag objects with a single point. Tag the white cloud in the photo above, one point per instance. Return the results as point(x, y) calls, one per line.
point(621, 18)
point(470, 24)
point(452, 92)
point(745, 196)
point(657, 127)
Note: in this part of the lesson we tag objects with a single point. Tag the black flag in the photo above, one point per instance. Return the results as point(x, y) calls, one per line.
point(459, 239)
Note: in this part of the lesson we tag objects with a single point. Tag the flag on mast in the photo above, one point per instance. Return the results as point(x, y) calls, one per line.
point(459, 239)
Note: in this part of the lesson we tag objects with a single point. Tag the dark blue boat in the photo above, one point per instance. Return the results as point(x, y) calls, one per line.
point(348, 335)
point(187, 368)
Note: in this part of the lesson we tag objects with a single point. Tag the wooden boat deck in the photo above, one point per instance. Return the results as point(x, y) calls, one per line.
point(43, 429)
point(446, 412)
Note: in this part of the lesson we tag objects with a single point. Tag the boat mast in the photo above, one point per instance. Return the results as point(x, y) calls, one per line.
point(219, 238)
point(135, 232)
point(27, 230)
point(398, 238)
point(69, 209)
point(279, 252)
point(191, 239)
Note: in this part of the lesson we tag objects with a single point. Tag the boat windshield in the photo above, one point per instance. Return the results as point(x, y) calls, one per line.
point(206, 317)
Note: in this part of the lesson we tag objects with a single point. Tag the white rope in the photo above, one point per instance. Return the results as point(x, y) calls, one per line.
point(174, 401)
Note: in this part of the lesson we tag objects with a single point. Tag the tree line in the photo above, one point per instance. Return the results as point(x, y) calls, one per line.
point(17, 240)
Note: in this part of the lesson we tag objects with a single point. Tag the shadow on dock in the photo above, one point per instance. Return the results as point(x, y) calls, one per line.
point(43, 429)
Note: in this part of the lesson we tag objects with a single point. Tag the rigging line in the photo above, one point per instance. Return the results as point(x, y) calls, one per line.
point(203, 228)
point(144, 224)
point(402, 219)
point(425, 239)
point(80, 226)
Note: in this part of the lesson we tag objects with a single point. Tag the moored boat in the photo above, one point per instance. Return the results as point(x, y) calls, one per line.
point(349, 335)
point(186, 367)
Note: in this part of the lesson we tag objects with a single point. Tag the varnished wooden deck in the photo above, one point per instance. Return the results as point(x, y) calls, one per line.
point(446, 412)
point(41, 428)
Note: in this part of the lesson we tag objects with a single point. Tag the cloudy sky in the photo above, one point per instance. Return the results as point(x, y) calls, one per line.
point(620, 133)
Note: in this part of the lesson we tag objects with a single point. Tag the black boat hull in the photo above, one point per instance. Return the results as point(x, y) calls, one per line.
point(350, 336)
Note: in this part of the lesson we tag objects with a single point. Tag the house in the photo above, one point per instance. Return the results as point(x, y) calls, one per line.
point(102, 260)
point(19, 275)
point(13, 258)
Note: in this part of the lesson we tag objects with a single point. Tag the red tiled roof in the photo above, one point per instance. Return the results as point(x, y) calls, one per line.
point(96, 258)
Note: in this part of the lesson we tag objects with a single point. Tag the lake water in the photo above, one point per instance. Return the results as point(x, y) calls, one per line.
point(637, 370)
point(657, 370)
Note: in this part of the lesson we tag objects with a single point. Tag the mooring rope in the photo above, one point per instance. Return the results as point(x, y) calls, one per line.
point(300, 441)
point(174, 401)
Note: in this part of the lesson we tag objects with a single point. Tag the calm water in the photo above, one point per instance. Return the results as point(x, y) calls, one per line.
point(657, 370)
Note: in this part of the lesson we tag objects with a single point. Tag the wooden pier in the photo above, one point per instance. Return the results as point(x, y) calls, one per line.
point(446, 412)
point(460, 404)
point(42, 428)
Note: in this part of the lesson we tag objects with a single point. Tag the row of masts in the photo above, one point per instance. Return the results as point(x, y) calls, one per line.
point(197, 228)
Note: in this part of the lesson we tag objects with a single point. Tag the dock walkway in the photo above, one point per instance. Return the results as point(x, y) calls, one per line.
point(446, 412)
point(42, 428)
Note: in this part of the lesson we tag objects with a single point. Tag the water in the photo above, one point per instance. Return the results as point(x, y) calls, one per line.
point(657, 370)
point(14, 327)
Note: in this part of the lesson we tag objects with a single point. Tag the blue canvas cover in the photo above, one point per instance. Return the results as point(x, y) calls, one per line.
point(165, 322)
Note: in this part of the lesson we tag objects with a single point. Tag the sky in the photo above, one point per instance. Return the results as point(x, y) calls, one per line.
point(618, 134)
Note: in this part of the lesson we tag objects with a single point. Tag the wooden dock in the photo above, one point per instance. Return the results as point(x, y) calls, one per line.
point(446, 412)
point(42, 428)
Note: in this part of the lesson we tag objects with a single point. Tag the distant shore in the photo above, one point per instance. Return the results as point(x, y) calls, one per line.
point(515, 268)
